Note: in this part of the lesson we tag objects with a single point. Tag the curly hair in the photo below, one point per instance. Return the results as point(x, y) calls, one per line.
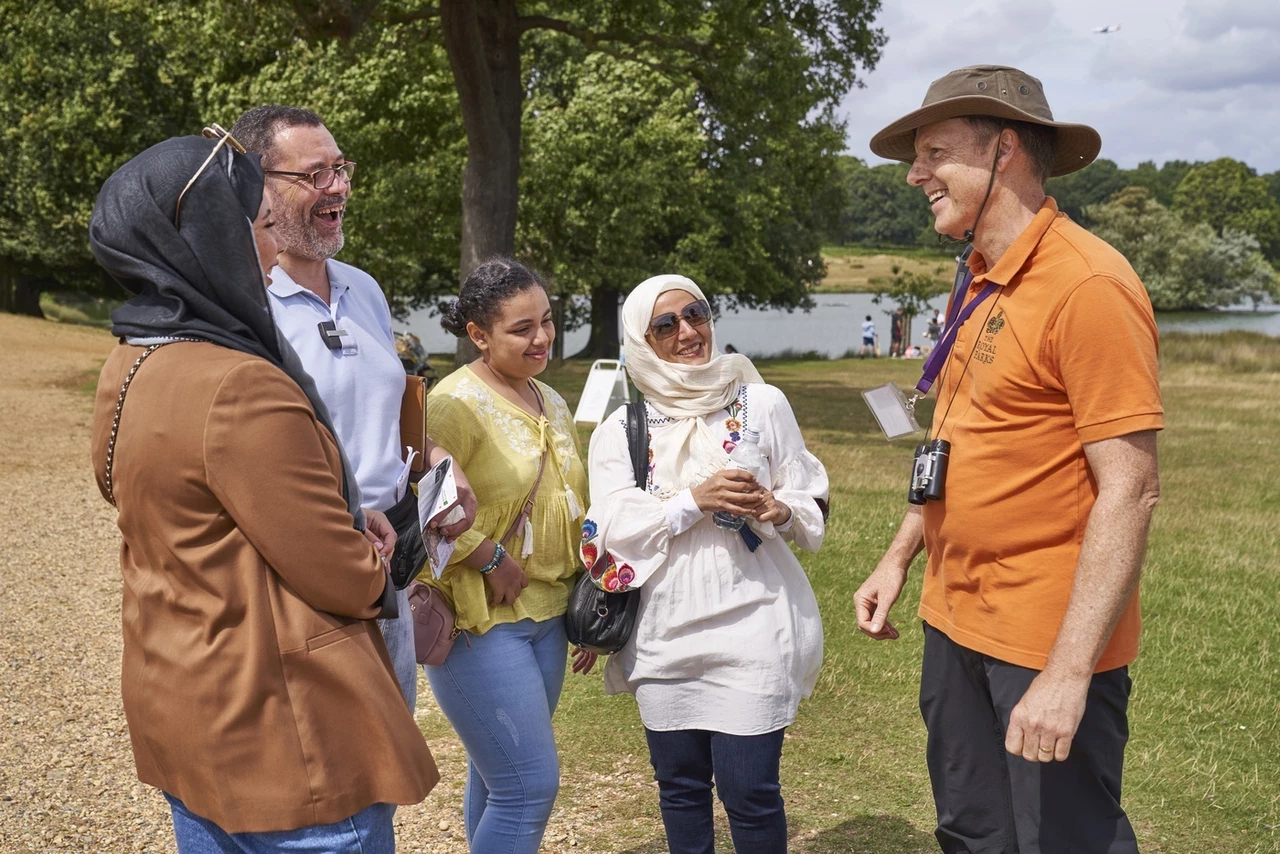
point(481, 296)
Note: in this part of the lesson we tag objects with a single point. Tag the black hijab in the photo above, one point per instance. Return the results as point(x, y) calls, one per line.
point(205, 280)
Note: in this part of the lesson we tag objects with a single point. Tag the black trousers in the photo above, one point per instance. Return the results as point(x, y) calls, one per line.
point(991, 802)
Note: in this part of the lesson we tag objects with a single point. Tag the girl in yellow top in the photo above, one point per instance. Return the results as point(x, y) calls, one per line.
point(500, 684)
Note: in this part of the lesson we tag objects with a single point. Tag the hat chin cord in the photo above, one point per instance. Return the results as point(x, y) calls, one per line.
point(968, 235)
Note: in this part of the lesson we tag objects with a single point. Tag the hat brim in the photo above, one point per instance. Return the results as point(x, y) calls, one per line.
point(1077, 145)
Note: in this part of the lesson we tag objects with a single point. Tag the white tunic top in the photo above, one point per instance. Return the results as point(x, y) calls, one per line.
point(726, 639)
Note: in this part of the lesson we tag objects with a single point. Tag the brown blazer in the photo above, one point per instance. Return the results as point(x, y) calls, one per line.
point(256, 685)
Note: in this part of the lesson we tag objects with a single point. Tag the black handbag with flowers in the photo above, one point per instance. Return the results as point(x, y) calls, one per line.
point(597, 620)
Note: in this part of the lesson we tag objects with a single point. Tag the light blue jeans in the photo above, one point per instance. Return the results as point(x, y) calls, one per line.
point(398, 636)
point(367, 832)
point(499, 693)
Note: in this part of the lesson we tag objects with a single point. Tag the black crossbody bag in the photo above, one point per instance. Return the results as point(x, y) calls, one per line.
point(596, 620)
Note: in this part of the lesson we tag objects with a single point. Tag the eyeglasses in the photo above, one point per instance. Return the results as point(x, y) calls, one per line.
point(321, 179)
point(213, 131)
point(697, 313)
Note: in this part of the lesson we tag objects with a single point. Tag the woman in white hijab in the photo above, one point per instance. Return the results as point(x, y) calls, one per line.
point(728, 638)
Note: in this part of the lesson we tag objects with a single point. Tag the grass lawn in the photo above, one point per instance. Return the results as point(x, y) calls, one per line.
point(1201, 770)
point(855, 269)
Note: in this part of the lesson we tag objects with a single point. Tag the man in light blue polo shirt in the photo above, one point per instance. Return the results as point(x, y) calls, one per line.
point(337, 318)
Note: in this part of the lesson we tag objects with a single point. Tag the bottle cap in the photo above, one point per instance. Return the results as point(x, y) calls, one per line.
point(750, 434)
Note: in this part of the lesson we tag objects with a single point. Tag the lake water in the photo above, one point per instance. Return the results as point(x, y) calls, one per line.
point(834, 326)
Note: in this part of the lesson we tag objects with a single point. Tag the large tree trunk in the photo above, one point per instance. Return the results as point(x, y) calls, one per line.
point(482, 38)
point(19, 294)
point(605, 339)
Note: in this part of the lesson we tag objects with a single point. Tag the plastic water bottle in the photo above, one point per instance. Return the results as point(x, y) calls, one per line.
point(745, 456)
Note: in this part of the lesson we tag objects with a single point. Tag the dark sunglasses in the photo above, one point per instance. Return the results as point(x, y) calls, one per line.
point(214, 131)
point(697, 313)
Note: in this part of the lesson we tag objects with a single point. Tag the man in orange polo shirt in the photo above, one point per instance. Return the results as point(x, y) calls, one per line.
point(1049, 399)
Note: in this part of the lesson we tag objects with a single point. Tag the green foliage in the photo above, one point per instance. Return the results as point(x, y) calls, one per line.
point(389, 100)
point(84, 86)
point(911, 292)
point(613, 179)
point(881, 207)
point(1184, 265)
point(1092, 185)
point(1162, 181)
point(1227, 194)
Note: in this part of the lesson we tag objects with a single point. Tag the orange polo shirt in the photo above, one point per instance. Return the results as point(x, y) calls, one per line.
point(1061, 355)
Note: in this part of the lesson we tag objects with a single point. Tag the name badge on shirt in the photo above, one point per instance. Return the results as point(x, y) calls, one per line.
point(337, 339)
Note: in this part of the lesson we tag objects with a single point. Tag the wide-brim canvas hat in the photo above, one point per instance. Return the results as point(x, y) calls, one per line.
point(996, 91)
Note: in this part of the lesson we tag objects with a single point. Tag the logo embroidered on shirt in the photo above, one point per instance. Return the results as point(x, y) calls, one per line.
point(995, 324)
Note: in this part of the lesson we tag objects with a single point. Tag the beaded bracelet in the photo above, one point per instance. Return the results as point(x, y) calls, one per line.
point(498, 554)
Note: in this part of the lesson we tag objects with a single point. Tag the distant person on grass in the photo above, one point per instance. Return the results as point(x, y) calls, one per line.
point(337, 319)
point(896, 323)
point(934, 330)
point(1050, 401)
point(257, 688)
point(868, 339)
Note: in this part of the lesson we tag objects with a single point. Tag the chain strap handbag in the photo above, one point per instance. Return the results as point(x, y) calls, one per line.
point(596, 620)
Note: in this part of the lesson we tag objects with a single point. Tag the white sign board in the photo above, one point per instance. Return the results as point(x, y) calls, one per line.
point(605, 391)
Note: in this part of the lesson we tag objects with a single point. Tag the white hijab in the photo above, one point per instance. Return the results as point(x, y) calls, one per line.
point(685, 393)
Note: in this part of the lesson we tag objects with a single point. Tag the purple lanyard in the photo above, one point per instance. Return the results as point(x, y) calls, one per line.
point(956, 316)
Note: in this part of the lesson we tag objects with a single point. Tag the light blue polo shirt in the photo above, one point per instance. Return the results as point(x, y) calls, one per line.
point(362, 385)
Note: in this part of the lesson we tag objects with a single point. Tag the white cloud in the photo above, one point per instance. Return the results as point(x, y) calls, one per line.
point(1184, 79)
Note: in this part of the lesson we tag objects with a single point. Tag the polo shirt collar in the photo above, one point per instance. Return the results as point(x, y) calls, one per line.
point(1019, 251)
point(283, 285)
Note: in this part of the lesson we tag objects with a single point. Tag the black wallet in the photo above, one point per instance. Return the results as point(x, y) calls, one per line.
point(411, 552)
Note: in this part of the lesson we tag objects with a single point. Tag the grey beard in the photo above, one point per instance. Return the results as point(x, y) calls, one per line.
point(303, 240)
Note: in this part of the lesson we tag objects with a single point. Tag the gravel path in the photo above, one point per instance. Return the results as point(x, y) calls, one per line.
point(67, 779)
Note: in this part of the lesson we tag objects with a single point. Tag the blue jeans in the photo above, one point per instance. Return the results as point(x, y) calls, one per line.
point(367, 832)
point(398, 636)
point(745, 768)
point(499, 693)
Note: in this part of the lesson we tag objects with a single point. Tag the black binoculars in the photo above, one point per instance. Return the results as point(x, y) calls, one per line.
point(929, 472)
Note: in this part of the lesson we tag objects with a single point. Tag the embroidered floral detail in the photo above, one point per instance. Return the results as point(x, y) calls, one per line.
point(588, 529)
point(595, 567)
point(589, 554)
point(610, 581)
point(729, 446)
point(514, 429)
point(626, 574)
point(651, 455)
point(733, 425)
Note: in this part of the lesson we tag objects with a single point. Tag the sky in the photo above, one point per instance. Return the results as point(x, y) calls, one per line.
point(1182, 79)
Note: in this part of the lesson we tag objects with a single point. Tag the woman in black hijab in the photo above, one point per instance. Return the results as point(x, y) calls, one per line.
point(258, 691)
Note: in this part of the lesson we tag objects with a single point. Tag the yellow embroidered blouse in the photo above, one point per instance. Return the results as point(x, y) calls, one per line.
point(499, 445)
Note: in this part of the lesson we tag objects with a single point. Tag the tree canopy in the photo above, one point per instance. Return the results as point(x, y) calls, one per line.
point(1184, 265)
point(647, 133)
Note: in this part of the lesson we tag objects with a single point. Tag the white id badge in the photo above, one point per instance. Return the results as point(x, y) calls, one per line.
point(891, 410)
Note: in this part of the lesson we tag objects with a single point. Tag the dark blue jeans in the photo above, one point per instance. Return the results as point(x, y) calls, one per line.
point(745, 769)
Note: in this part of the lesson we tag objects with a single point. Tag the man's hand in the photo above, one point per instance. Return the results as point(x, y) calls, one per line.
point(883, 587)
point(732, 490)
point(378, 530)
point(506, 582)
point(877, 595)
point(1046, 718)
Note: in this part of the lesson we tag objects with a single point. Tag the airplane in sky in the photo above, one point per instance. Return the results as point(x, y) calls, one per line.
point(1110, 28)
